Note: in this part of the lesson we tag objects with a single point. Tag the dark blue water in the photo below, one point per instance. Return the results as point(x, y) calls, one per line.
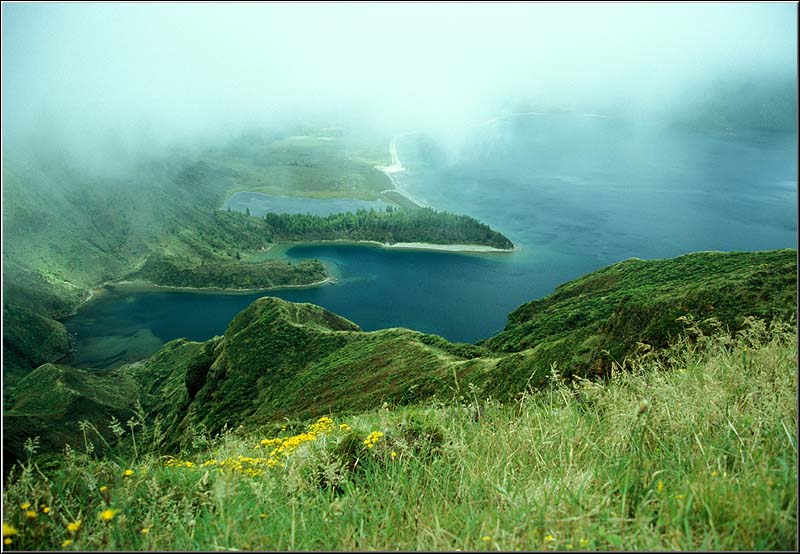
point(573, 193)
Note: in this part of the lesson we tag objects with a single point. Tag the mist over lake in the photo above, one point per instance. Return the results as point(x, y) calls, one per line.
point(574, 193)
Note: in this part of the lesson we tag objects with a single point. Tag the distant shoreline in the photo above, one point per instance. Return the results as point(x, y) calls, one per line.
point(397, 167)
point(479, 248)
point(146, 285)
point(97, 291)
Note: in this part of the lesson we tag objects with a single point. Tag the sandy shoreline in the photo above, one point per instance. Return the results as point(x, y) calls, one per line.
point(397, 167)
point(407, 245)
point(145, 285)
point(442, 247)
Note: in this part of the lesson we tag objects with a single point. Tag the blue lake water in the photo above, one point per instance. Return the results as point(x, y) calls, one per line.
point(573, 193)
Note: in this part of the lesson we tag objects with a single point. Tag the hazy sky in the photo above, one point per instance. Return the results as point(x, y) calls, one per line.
point(151, 73)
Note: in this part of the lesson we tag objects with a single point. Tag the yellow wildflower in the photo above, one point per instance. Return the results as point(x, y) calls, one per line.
point(486, 538)
point(74, 526)
point(549, 538)
point(145, 530)
point(262, 516)
point(8, 530)
point(344, 427)
point(107, 515)
point(372, 439)
point(66, 543)
point(660, 486)
point(128, 473)
point(103, 488)
point(394, 454)
point(30, 514)
point(25, 506)
point(7, 541)
point(46, 509)
point(322, 425)
point(584, 542)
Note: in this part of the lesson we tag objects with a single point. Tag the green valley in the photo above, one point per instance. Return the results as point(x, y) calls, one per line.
point(665, 345)
point(399, 276)
point(74, 230)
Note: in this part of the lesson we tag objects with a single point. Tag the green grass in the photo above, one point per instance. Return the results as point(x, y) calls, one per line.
point(279, 359)
point(174, 272)
point(307, 166)
point(695, 450)
point(589, 323)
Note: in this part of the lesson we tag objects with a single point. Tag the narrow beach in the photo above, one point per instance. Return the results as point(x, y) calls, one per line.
point(397, 167)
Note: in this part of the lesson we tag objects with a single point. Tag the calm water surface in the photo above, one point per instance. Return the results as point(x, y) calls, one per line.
point(573, 193)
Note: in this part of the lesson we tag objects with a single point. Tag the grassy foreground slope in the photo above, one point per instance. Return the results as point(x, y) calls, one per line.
point(696, 450)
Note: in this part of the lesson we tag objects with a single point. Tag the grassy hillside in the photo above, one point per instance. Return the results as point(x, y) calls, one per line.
point(51, 400)
point(695, 451)
point(278, 359)
point(29, 340)
point(324, 163)
point(591, 322)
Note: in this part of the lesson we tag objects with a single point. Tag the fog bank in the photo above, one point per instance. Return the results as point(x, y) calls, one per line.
point(114, 80)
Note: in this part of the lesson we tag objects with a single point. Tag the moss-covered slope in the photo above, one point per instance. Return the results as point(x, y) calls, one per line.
point(279, 359)
point(51, 400)
point(590, 322)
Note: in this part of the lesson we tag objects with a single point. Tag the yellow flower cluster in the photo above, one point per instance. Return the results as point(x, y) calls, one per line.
point(174, 462)
point(8, 530)
point(279, 448)
point(373, 438)
point(239, 464)
point(322, 425)
point(266, 443)
point(292, 443)
point(74, 527)
point(107, 515)
point(285, 447)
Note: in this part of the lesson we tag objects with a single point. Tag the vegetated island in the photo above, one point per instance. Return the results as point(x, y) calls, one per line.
point(394, 228)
